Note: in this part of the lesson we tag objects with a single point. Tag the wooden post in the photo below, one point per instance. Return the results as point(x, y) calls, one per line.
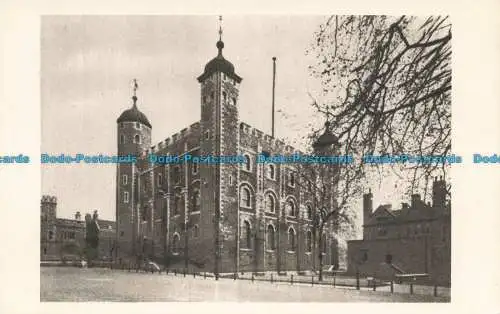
point(252, 277)
point(334, 278)
point(291, 280)
point(374, 284)
point(271, 278)
point(312, 280)
point(435, 290)
point(411, 288)
point(392, 286)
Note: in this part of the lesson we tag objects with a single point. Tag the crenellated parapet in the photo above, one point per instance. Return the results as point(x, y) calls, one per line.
point(48, 199)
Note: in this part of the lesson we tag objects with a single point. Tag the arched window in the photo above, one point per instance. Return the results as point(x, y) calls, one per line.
point(248, 163)
point(309, 211)
point(122, 139)
point(224, 96)
point(196, 231)
point(137, 139)
point(290, 208)
point(271, 173)
point(137, 125)
point(177, 205)
point(308, 241)
point(270, 239)
point(270, 203)
point(234, 101)
point(246, 235)
point(291, 239)
point(292, 179)
point(196, 200)
point(245, 197)
point(175, 243)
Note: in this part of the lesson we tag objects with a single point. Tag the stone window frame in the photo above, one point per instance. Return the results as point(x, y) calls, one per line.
point(268, 171)
point(308, 242)
point(270, 194)
point(176, 245)
point(196, 231)
point(309, 212)
point(123, 138)
point(249, 201)
point(124, 179)
point(272, 247)
point(291, 240)
point(247, 166)
point(137, 139)
point(126, 197)
point(245, 236)
point(292, 201)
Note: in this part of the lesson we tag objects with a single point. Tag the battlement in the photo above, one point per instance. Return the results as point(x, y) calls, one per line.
point(49, 199)
point(193, 128)
point(275, 143)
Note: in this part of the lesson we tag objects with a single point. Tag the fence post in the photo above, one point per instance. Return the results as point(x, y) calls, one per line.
point(252, 277)
point(175, 272)
point(204, 275)
point(194, 274)
point(411, 288)
point(374, 284)
point(291, 280)
point(334, 279)
point(271, 278)
point(184, 272)
point(392, 286)
point(435, 290)
point(234, 275)
point(357, 280)
point(312, 280)
point(166, 269)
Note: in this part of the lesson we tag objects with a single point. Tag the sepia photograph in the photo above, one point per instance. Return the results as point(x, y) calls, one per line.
point(246, 158)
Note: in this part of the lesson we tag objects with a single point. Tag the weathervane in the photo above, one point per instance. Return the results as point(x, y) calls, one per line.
point(220, 27)
point(134, 98)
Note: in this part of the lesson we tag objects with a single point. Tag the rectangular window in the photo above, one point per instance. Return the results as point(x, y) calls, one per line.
point(124, 179)
point(195, 168)
point(137, 125)
point(160, 180)
point(207, 135)
point(125, 197)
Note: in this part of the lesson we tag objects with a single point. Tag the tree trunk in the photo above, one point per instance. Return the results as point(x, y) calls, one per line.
point(320, 252)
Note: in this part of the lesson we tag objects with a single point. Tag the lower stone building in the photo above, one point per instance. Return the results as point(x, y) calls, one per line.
point(64, 239)
point(415, 239)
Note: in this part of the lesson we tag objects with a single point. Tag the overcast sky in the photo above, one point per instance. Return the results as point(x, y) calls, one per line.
point(88, 64)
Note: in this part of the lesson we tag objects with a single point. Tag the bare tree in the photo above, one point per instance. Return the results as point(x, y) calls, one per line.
point(387, 88)
point(330, 182)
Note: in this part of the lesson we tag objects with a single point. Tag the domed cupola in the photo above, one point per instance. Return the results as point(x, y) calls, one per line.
point(326, 140)
point(133, 114)
point(219, 64)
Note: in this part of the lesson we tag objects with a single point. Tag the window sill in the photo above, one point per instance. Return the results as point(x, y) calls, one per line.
point(197, 212)
point(308, 253)
point(245, 207)
point(270, 251)
point(246, 250)
point(290, 252)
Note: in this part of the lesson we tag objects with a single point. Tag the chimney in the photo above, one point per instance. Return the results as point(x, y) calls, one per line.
point(438, 192)
point(415, 199)
point(78, 216)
